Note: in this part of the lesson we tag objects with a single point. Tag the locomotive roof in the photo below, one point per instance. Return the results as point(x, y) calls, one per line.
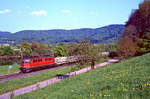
point(33, 57)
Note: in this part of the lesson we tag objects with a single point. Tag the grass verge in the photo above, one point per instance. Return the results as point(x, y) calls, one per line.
point(129, 79)
point(8, 69)
point(22, 82)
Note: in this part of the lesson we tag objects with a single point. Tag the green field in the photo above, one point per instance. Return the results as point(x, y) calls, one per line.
point(129, 79)
point(8, 69)
point(22, 82)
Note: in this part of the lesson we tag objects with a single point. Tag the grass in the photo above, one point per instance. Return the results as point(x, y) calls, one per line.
point(102, 60)
point(129, 79)
point(8, 69)
point(22, 82)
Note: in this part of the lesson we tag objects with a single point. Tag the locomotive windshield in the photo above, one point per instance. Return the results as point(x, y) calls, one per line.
point(26, 61)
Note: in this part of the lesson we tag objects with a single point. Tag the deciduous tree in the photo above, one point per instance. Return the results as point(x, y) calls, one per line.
point(26, 49)
point(87, 52)
point(137, 32)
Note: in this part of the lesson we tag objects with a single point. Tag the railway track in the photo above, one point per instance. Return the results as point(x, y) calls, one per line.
point(22, 75)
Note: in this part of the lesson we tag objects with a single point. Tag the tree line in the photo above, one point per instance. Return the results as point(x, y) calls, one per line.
point(83, 48)
point(136, 37)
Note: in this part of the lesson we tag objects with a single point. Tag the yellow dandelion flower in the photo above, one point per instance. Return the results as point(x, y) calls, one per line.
point(100, 94)
point(108, 95)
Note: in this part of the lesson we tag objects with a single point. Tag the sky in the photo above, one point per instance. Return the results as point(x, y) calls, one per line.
point(17, 15)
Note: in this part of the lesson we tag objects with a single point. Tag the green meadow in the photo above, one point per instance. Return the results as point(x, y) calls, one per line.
point(29, 80)
point(129, 79)
point(8, 69)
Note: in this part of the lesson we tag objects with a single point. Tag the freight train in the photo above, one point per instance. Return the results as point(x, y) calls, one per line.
point(34, 63)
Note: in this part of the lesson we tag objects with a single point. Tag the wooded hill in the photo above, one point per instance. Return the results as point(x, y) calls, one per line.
point(105, 34)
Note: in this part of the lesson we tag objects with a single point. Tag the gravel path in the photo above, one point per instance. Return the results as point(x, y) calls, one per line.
point(45, 83)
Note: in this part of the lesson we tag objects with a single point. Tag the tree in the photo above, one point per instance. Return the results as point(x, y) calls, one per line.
point(26, 49)
point(128, 48)
point(87, 52)
point(61, 50)
point(137, 32)
point(39, 49)
point(6, 51)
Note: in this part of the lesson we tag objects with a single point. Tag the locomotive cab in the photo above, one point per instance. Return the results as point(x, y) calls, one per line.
point(35, 63)
point(25, 64)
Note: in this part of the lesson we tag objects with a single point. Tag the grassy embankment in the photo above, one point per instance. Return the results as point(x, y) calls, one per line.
point(22, 82)
point(129, 79)
point(8, 69)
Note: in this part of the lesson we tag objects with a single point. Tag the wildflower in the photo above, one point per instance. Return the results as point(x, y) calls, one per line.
point(146, 84)
point(100, 94)
point(104, 95)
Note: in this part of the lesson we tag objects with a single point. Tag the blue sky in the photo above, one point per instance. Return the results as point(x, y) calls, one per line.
point(16, 15)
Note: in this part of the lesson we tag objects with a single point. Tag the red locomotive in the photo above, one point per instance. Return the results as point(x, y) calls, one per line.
point(29, 64)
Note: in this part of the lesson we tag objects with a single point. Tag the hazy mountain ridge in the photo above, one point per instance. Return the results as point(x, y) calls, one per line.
point(105, 34)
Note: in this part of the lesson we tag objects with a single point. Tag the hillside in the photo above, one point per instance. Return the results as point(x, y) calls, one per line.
point(105, 34)
point(4, 36)
point(129, 79)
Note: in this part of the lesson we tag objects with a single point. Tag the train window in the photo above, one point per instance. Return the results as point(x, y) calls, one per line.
point(46, 59)
point(33, 61)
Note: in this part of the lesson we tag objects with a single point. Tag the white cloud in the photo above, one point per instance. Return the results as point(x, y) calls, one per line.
point(66, 11)
point(41, 12)
point(5, 11)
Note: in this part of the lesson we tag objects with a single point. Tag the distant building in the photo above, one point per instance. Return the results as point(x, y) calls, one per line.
point(7, 43)
point(4, 44)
